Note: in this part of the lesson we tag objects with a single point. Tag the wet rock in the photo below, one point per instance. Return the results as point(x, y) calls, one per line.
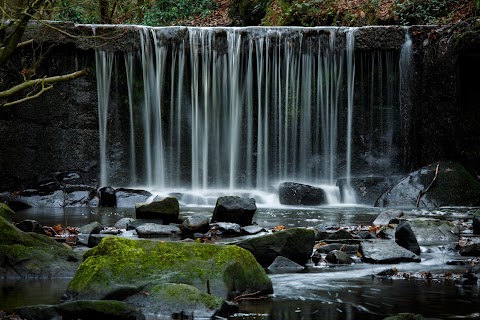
point(80, 198)
point(6, 213)
point(253, 229)
point(95, 239)
point(295, 244)
point(31, 255)
point(387, 217)
point(347, 248)
point(338, 257)
point(468, 279)
point(316, 257)
point(177, 301)
point(292, 193)
point(29, 225)
point(234, 209)
point(226, 228)
point(98, 309)
point(128, 198)
point(387, 273)
point(470, 249)
point(39, 198)
point(107, 197)
point(366, 189)
point(340, 234)
point(433, 230)
point(91, 228)
point(454, 186)
point(37, 312)
point(283, 264)
point(154, 230)
point(123, 223)
point(166, 209)
point(385, 251)
point(476, 222)
point(121, 268)
point(365, 234)
point(405, 237)
point(198, 222)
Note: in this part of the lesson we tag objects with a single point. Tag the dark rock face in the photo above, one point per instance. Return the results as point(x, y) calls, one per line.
point(91, 228)
point(295, 244)
point(292, 193)
point(405, 237)
point(30, 226)
point(385, 251)
point(476, 222)
point(366, 189)
point(166, 209)
point(454, 186)
point(235, 210)
point(107, 197)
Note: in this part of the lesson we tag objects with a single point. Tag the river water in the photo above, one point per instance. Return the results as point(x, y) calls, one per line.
point(319, 292)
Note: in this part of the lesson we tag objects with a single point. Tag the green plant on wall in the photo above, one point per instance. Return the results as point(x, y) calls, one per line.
point(410, 12)
point(167, 12)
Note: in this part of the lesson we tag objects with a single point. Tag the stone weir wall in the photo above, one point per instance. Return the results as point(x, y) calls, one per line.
point(53, 140)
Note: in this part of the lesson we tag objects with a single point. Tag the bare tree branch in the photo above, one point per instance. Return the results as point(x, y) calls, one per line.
point(44, 82)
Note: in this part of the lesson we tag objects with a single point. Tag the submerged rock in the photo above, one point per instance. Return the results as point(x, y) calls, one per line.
point(32, 255)
point(433, 230)
point(234, 209)
point(385, 251)
point(454, 186)
point(292, 193)
point(295, 244)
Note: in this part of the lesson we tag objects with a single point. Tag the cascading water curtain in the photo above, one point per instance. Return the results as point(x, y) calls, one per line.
point(232, 108)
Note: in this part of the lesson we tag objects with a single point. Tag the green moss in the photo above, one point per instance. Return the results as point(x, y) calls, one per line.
point(117, 262)
point(184, 294)
point(6, 212)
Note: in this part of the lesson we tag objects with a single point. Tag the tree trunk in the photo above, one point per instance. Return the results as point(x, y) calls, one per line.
point(104, 16)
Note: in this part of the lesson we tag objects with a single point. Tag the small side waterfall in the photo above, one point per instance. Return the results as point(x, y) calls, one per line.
point(245, 108)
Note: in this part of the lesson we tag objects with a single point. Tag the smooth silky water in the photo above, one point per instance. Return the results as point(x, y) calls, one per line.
point(318, 292)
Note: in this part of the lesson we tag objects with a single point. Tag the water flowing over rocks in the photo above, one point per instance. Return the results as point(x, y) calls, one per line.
point(292, 193)
point(234, 209)
point(453, 186)
point(295, 244)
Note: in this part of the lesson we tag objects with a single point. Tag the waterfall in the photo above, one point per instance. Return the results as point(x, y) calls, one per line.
point(104, 61)
point(247, 108)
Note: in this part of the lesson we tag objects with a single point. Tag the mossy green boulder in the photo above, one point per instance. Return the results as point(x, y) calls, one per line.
point(6, 212)
point(124, 269)
point(31, 255)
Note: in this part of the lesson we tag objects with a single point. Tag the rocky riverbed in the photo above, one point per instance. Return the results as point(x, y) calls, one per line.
point(397, 245)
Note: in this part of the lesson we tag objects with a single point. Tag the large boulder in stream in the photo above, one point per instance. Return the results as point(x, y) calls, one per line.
point(295, 244)
point(167, 277)
point(292, 193)
point(32, 255)
point(166, 209)
point(385, 251)
point(452, 186)
point(234, 209)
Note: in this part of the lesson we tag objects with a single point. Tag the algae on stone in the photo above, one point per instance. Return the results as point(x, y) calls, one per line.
point(6, 212)
point(24, 254)
point(122, 265)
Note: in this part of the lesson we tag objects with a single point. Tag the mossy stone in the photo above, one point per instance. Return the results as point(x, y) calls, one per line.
point(98, 309)
point(120, 265)
point(33, 255)
point(6, 212)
